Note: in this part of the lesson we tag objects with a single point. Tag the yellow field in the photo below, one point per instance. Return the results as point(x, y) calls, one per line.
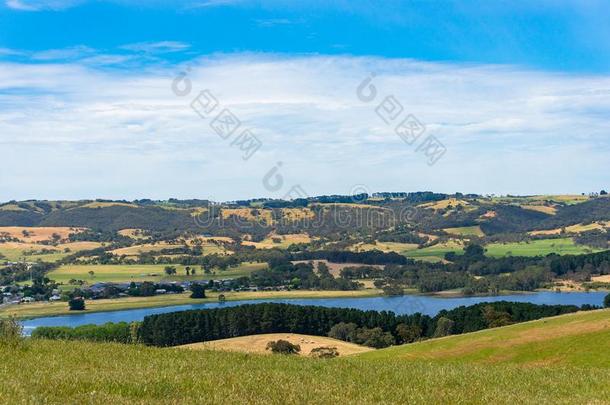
point(578, 228)
point(297, 214)
point(144, 248)
point(16, 251)
point(397, 247)
point(131, 233)
point(444, 204)
point(283, 243)
point(38, 234)
point(540, 208)
point(258, 344)
point(97, 204)
point(249, 214)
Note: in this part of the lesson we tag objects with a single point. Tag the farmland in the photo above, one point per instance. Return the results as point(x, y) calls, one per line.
point(540, 247)
point(147, 272)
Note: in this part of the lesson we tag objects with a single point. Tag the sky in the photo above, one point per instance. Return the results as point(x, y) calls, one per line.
point(128, 99)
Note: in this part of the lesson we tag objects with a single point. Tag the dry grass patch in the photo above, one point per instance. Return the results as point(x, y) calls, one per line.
point(258, 344)
point(38, 234)
point(279, 241)
point(546, 209)
point(335, 268)
point(98, 204)
point(249, 214)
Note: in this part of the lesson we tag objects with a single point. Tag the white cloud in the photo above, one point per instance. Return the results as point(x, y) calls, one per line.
point(37, 5)
point(157, 47)
point(506, 129)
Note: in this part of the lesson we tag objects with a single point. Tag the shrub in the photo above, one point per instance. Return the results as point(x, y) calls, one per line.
point(10, 332)
point(283, 347)
point(76, 304)
point(324, 352)
point(607, 301)
point(121, 332)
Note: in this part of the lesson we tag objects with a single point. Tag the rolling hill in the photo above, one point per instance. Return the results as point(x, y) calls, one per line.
point(504, 365)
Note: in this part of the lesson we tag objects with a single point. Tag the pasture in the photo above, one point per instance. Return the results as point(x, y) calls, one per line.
point(144, 272)
point(30, 252)
point(465, 231)
point(42, 371)
point(279, 241)
point(580, 339)
point(541, 247)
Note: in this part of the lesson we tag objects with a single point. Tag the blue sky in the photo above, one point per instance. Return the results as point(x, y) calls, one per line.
point(517, 92)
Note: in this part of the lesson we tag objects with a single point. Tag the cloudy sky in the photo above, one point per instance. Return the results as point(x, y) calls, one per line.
point(96, 97)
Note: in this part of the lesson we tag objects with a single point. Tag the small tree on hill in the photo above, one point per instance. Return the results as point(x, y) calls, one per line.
point(10, 332)
point(76, 304)
point(283, 347)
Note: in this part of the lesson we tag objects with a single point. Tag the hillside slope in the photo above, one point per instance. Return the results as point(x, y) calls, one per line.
point(449, 370)
point(581, 339)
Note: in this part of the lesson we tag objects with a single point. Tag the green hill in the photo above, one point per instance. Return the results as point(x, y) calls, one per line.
point(558, 360)
point(581, 339)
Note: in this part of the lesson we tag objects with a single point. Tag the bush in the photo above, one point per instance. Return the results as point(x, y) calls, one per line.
point(10, 332)
point(283, 347)
point(324, 352)
point(121, 332)
point(76, 304)
point(607, 301)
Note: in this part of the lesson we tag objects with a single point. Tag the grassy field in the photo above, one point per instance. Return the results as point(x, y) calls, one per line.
point(465, 231)
point(143, 272)
point(279, 241)
point(437, 252)
point(400, 248)
point(581, 340)
point(59, 372)
point(39, 309)
point(541, 247)
point(258, 344)
point(17, 251)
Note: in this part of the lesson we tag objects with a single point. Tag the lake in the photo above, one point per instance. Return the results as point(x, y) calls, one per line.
point(408, 304)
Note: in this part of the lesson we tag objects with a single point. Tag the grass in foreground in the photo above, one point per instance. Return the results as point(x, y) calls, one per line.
point(58, 372)
point(39, 309)
point(581, 339)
